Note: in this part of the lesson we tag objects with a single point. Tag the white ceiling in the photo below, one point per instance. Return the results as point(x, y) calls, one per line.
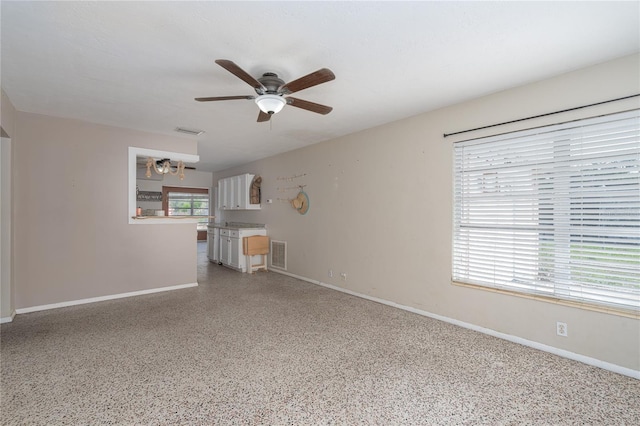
point(140, 64)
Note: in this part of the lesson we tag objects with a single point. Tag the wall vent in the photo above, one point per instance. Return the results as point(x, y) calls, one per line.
point(279, 254)
point(192, 132)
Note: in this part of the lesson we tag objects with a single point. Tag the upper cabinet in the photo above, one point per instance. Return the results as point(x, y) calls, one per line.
point(234, 193)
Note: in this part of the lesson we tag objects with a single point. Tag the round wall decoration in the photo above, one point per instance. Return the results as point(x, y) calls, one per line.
point(301, 203)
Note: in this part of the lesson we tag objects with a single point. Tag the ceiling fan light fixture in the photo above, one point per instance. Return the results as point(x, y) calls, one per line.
point(270, 104)
point(163, 166)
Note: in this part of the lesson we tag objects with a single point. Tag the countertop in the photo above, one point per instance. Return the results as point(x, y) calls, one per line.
point(236, 225)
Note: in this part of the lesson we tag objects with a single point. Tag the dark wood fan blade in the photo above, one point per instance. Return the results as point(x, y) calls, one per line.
point(224, 98)
point(309, 106)
point(321, 76)
point(263, 116)
point(240, 73)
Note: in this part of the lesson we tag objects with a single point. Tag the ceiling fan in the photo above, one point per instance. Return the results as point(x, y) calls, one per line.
point(271, 90)
point(159, 163)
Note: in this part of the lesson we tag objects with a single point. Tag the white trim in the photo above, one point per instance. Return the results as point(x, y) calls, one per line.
point(515, 339)
point(102, 298)
point(160, 221)
point(6, 230)
point(8, 319)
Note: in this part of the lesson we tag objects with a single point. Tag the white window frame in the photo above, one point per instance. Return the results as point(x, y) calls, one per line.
point(552, 212)
point(193, 193)
point(202, 220)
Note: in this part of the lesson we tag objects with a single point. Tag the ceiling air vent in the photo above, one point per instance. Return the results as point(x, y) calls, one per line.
point(192, 132)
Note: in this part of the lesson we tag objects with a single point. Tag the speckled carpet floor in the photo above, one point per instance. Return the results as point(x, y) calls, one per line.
point(272, 350)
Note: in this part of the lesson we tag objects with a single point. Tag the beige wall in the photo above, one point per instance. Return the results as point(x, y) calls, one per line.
point(72, 237)
point(381, 211)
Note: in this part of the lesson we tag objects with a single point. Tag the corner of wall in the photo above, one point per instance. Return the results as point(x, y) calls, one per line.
point(7, 319)
point(7, 115)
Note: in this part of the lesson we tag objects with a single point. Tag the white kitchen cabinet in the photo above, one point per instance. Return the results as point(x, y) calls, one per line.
point(234, 193)
point(230, 248)
point(213, 244)
point(234, 248)
point(225, 247)
point(225, 194)
point(210, 245)
point(230, 243)
point(240, 192)
point(228, 193)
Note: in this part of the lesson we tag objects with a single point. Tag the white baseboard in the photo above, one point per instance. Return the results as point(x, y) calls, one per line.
point(8, 319)
point(515, 339)
point(102, 298)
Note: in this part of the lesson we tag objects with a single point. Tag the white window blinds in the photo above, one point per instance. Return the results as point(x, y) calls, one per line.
point(552, 211)
point(188, 204)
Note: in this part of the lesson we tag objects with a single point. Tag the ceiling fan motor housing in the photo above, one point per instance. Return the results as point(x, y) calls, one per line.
point(271, 82)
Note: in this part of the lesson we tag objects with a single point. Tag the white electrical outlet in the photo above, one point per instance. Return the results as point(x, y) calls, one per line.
point(561, 329)
point(344, 276)
point(330, 273)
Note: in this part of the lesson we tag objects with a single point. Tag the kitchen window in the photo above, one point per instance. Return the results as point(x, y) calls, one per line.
point(181, 201)
point(552, 212)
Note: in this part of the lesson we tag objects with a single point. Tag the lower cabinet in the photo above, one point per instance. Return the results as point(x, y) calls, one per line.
point(230, 247)
point(213, 244)
point(225, 247)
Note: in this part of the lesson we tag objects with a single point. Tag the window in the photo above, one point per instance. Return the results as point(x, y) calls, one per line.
point(188, 204)
point(552, 211)
point(178, 201)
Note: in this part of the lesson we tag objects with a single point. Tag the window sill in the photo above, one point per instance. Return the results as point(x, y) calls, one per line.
point(547, 299)
point(147, 220)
